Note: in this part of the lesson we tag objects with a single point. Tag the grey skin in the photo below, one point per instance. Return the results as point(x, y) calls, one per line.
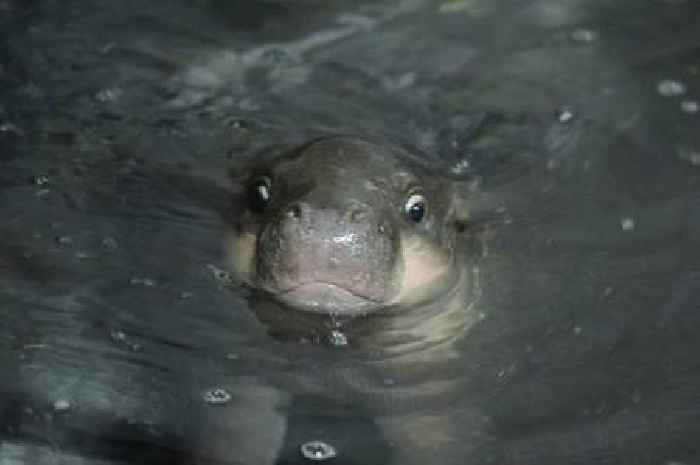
point(366, 239)
point(346, 227)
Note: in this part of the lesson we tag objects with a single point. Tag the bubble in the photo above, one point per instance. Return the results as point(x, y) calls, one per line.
point(584, 35)
point(63, 240)
point(317, 450)
point(110, 243)
point(460, 167)
point(690, 106)
point(137, 280)
point(564, 115)
point(627, 224)
point(690, 155)
point(122, 339)
point(216, 396)
point(10, 128)
point(40, 180)
point(670, 88)
point(338, 339)
point(61, 405)
point(106, 48)
point(109, 95)
point(220, 275)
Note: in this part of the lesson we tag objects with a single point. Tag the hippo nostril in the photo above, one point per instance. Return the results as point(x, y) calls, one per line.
point(294, 211)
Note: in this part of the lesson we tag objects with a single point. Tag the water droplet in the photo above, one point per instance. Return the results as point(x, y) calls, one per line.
point(110, 243)
point(636, 396)
point(338, 339)
point(688, 154)
point(148, 282)
point(564, 115)
point(63, 240)
point(122, 339)
point(584, 35)
point(460, 167)
point(184, 295)
point(627, 224)
point(232, 356)
point(109, 95)
point(690, 106)
point(108, 47)
point(317, 450)
point(40, 180)
point(216, 396)
point(220, 275)
point(10, 128)
point(670, 88)
point(577, 330)
point(61, 405)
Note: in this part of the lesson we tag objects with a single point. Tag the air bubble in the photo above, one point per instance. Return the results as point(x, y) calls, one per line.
point(41, 180)
point(63, 240)
point(690, 106)
point(338, 339)
point(216, 396)
point(147, 282)
point(109, 95)
point(627, 224)
point(670, 88)
point(110, 243)
point(584, 35)
point(121, 338)
point(564, 115)
point(317, 450)
point(61, 405)
point(220, 275)
point(460, 167)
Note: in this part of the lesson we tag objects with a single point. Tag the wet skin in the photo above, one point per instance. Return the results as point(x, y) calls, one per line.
point(345, 227)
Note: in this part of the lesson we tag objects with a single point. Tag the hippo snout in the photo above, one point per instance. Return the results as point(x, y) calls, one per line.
point(348, 251)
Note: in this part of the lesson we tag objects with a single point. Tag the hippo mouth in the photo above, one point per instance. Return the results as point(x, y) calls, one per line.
point(327, 298)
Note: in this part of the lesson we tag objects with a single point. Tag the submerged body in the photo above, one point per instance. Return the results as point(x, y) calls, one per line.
point(362, 245)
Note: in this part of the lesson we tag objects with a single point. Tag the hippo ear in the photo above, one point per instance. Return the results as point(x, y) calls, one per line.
point(471, 210)
point(245, 167)
point(459, 208)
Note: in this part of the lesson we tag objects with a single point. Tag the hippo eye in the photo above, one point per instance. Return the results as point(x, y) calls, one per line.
point(260, 193)
point(415, 207)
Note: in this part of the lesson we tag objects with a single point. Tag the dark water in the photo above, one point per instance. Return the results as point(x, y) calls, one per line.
point(118, 121)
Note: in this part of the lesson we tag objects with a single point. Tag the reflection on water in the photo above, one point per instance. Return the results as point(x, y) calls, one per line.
point(122, 341)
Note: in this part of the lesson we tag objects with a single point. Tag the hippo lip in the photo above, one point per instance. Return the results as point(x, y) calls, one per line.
point(323, 297)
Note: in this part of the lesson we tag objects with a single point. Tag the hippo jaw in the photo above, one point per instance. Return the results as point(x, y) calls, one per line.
point(327, 298)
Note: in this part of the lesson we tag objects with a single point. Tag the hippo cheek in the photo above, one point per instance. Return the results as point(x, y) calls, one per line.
point(426, 271)
point(241, 249)
point(339, 261)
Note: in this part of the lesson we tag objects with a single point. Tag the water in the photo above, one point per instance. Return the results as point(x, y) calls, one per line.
point(119, 120)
